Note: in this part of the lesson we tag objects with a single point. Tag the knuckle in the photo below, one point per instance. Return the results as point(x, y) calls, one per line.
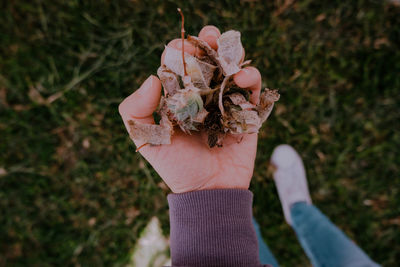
point(255, 75)
point(255, 71)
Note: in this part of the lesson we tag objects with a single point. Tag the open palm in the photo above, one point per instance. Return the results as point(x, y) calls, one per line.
point(188, 164)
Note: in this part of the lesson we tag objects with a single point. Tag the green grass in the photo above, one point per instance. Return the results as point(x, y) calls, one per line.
point(72, 190)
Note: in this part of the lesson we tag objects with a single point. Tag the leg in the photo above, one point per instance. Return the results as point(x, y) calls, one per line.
point(323, 242)
point(266, 256)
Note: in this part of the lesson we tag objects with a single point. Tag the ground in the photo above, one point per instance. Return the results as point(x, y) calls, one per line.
point(74, 192)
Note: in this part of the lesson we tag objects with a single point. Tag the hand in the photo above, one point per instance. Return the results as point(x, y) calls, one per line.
point(188, 164)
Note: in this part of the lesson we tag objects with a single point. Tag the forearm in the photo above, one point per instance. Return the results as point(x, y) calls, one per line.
point(213, 228)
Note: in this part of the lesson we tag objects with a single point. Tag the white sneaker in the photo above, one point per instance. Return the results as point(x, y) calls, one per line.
point(290, 178)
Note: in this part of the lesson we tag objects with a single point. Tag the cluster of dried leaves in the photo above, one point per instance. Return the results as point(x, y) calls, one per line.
point(200, 95)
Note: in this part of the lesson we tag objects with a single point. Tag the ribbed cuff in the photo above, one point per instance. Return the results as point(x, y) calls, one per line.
point(213, 228)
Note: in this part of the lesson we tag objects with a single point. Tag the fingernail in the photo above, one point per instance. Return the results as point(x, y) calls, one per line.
point(145, 86)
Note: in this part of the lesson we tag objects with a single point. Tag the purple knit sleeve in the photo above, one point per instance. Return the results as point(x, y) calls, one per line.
point(213, 228)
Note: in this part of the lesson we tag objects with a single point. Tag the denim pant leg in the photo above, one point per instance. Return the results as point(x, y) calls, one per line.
point(323, 242)
point(266, 256)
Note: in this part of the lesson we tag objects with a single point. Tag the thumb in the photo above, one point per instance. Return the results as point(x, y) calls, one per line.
point(140, 105)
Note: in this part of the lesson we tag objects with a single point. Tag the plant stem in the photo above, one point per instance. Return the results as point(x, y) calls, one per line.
point(183, 40)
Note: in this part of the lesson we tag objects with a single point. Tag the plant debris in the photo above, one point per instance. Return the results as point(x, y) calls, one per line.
point(200, 94)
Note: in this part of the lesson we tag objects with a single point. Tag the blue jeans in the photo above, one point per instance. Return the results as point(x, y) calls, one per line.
point(324, 244)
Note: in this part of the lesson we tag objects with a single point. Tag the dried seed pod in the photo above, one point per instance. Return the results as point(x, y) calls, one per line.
point(184, 107)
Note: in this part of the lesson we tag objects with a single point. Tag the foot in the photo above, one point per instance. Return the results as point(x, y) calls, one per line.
point(290, 178)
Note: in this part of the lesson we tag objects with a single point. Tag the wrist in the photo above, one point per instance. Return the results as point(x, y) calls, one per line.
point(227, 182)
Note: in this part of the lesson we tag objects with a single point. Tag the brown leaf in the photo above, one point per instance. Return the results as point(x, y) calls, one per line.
point(201, 73)
point(320, 17)
point(211, 53)
point(201, 116)
point(283, 7)
point(267, 100)
point(378, 43)
point(230, 51)
point(239, 100)
point(152, 133)
point(169, 80)
point(35, 96)
point(244, 121)
point(191, 104)
point(86, 143)
point(92, 221)
point(207, 71)
point(247, 62)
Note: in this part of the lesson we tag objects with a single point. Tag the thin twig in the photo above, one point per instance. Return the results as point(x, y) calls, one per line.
point(183, 40)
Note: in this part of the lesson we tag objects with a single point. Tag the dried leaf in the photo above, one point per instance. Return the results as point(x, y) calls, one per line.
point(35, 96)
point(251, 117)
point(247, 62)
point(207, 71)
point(211, 53)
point(239, 100)
point(244, 121)
point(267, 100)
point(152, 133)
point(230, 51)
point(191, 104)
point(169, 80)
point(201, 116)
point(200, 72)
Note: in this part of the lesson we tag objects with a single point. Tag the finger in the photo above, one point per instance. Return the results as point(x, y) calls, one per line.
point(140, 105)
point(177, 44)
point(210, 34)
point(249, 78)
